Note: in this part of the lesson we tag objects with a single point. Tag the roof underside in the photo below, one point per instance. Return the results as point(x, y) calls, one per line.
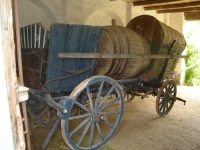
point(191, 8)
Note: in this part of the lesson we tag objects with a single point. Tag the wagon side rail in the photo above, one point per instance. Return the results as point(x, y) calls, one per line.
point(98, 55)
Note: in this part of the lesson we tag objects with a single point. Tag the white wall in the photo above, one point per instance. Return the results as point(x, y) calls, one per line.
point(88, 12)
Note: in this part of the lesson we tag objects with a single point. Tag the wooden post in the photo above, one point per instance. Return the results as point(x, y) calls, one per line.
point(10, 74)
point(19, 56)
point(113, 22)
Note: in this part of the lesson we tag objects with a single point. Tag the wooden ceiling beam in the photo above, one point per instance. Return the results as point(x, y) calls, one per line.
point(151, 2)
point(171, 6)
point(192, 16)
point(179, 10)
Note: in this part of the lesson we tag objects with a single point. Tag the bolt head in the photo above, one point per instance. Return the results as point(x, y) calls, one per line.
point(65, 111)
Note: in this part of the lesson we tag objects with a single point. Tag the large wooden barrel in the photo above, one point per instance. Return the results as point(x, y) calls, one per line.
point(159, 37)
point(121, 40)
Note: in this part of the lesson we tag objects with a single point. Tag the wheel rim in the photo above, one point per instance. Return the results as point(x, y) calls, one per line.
point(165, 98)
point(41, 113)
point(101, 119)
point(128, 97)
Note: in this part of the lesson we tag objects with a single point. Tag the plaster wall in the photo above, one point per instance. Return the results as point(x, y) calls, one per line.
point(89, 12)
point(176, 21)
point(30, 13)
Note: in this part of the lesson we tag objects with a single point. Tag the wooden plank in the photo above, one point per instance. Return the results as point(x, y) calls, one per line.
point(170, 6)
point(151, 2)
point(179, 10)
point(10, 74)
point(98, 55)
point(192, 16)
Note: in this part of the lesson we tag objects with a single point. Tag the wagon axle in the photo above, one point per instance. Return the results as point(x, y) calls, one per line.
point(179, 99)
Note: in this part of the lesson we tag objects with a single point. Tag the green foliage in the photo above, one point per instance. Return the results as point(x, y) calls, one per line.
point(192, 77)
point(85, 143)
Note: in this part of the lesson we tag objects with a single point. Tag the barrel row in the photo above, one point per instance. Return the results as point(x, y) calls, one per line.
point(121, 40)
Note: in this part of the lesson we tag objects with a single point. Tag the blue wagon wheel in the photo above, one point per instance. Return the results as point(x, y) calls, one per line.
point(100, 117)
point(165, 97)
point(41, 113)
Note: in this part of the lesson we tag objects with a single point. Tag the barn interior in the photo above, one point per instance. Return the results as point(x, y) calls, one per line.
point(141, 127)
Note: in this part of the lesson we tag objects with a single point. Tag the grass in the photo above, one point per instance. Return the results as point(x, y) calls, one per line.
point(104, 147)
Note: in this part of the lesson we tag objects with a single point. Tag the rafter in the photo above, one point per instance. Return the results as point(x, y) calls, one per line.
point(192, 16)
point(151, 2)
point(170, 6)
point(179, 10)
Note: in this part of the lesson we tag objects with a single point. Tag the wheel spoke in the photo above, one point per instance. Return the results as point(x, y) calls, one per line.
point(42, 113)
point(80, 126)
point(99, 129)
point(167, 106)
point(161, 106)
point(164, 108)
point(91, 134)
point(79, 117)
point(161, 103)
point(84, 132)
point(108, 124)
point(105, 97)
point(51, 116)
point(110, 113)
point(90, 98)
point(83, 107)
point(98, 95)
point(112, 102)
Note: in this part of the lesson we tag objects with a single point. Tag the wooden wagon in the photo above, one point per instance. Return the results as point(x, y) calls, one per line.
point(74, 69)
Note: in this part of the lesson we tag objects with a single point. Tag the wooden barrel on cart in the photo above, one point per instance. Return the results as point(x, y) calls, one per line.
point(159, 37)
point(121, 40)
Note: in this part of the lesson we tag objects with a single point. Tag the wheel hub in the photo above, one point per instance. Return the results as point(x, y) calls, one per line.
point(97, 116)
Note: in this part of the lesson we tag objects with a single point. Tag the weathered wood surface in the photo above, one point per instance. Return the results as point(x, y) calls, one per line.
point(124, 41)
point(34, 67)
point(192, 16)
point(151, 2)
point(23, 93)
point(20, 72)
point(98, 55)
point(10, 74)
point(170, 6)
point(179, 10)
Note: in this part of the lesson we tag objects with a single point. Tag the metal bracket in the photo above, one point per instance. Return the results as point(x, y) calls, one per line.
point(49, 100)
point(166, 62)
point(67, 103)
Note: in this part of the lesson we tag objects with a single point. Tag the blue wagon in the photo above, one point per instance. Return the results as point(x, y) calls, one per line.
point(59, 67)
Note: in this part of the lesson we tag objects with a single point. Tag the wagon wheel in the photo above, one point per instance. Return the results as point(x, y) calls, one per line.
point(165, 97)
point(101, 119)
point(128, 97)
point(41, 113)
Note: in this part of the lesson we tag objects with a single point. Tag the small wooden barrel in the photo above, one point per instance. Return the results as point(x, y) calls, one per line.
point(121, 40)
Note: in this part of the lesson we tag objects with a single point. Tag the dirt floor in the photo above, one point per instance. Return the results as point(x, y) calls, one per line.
point(142, 129)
